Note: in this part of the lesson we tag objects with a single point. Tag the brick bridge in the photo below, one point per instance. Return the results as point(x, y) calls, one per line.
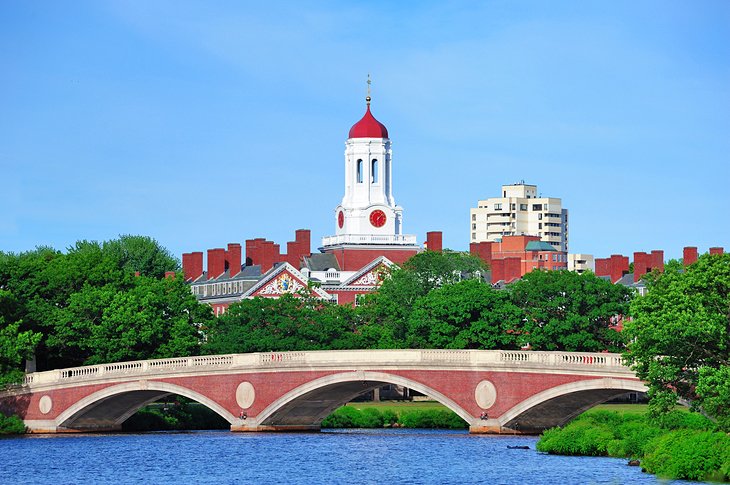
point(494, 391)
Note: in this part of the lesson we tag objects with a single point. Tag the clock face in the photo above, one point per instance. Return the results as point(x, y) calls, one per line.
point(341, 219)
point(377, 218)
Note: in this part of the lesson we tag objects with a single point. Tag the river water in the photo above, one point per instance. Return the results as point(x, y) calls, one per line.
point(333, 456)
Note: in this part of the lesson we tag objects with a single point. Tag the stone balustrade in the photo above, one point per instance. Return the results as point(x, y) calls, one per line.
point(342, 359)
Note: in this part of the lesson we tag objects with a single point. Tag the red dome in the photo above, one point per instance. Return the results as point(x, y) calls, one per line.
point(368, 127)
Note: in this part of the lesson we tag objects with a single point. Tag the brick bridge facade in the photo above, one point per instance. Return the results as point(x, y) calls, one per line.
point(494, 391)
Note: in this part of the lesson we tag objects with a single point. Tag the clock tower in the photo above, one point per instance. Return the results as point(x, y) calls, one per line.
point(368, 218)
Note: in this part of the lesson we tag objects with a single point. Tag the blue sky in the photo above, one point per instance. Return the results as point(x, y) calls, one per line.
point(203, 123)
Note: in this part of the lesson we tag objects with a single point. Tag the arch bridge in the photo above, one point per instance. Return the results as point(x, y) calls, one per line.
point(494, 391)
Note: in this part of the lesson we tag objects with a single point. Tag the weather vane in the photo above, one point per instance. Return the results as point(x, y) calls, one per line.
point(368, 96)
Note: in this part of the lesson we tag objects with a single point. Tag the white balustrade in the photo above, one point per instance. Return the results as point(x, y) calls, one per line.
point(399, 239)
point(502, 359)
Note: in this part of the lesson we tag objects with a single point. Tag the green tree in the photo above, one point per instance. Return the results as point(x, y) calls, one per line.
point(680, 336)
point(469, 314)
point(386, 311)
point(564, 310)
point(156, 318)
point(63, 297)
point(15, 345)
point(282, 324)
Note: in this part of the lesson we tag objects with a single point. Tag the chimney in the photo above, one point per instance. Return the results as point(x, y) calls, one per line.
point(657, 260)
point(689, 255)
point(192, 265)
point(216, 262)
point(434, 241)
point(233, 259)
point(642, 265)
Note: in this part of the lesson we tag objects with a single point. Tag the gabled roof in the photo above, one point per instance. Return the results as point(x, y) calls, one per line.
point(282, 279)
point(361, 277)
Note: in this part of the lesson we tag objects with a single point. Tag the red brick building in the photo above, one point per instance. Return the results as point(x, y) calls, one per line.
point(514, 256)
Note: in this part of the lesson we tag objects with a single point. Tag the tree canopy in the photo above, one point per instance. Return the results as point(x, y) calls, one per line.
point(88, 306)
point(679, 337)
point(282, 324)
point(564, 310)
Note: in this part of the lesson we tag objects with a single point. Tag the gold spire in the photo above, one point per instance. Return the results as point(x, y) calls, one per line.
point(367, 98)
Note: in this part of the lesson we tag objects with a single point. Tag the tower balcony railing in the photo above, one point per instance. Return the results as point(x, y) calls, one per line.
point(396, 239)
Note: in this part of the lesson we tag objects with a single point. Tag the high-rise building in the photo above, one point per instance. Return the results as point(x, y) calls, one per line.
point(520, 212)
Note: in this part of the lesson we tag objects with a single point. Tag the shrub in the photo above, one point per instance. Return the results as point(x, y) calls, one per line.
point(432, 418)
point(578, 438)
point(690, 455)
point(371, 418)
point(684, 420)
point(344, 417)
point(634, 435)
point(350, 417)
point(11, 425)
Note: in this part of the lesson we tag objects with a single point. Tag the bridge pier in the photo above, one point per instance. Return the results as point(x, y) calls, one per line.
point(490, 426)
point(46, 427)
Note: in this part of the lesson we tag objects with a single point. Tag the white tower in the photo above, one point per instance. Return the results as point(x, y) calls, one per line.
point(368, 213)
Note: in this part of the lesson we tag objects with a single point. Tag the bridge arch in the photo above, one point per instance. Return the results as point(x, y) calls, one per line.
point(558, 405)
point(310, 403)
point(110, 407)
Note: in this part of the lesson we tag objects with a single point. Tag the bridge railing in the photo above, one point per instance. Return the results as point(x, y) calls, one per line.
point(340, 359)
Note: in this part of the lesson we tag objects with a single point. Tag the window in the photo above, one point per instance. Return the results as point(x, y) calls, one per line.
point(498, 207)
point(523, 207)
point(359, 171)
point(374, 171)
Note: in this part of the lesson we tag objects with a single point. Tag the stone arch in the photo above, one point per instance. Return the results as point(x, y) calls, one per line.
point(560, 404)
point(281, 412)
point(111, 406)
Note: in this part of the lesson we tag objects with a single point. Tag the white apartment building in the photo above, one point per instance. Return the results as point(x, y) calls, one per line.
point(580, 263)
point(520, 212)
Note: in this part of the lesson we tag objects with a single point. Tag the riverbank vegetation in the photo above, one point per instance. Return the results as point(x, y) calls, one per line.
point(428, 415)
point(11, 425)
point(679, 343)
point(680, 445)
point(679, 338)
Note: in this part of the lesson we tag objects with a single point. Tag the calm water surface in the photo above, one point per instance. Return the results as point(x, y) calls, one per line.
point(342, 456)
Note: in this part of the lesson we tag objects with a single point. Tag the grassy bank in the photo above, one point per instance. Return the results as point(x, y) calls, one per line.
point(394, 414)
point(681, 445)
